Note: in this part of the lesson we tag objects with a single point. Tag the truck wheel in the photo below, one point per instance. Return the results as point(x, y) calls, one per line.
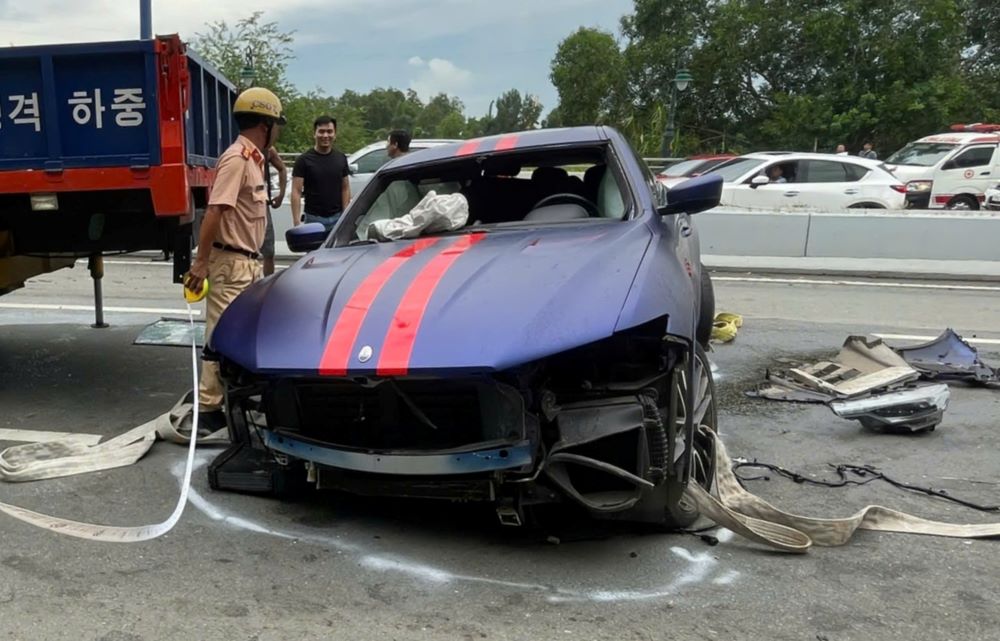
point(963, 203)
point(706, 314)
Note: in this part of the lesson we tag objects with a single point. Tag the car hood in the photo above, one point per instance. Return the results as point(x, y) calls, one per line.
point(906, 173)
point(467, 303)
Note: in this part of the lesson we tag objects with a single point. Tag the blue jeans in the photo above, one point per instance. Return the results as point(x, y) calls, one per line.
point(326, 221)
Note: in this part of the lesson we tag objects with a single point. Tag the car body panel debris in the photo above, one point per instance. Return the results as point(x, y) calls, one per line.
point(949, 357)
point(912, 409)
point(867, 381)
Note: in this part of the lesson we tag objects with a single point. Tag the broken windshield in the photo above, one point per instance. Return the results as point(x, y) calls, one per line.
point(527, 188)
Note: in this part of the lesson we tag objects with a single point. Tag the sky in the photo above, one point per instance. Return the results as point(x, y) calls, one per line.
point(473, 49)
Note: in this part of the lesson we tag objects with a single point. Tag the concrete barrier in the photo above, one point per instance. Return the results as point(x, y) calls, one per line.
point(907, 242)
point(752, 233)
point(903, 235)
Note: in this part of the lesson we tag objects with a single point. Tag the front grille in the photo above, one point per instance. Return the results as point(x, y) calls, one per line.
point(395, 414)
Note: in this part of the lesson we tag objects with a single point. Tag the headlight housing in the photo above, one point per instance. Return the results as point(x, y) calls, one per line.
point(919, 186)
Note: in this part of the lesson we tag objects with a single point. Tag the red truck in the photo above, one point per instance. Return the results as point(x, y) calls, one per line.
point(105, 148)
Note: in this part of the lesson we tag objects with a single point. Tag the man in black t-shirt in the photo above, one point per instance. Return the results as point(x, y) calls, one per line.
point(321, 175)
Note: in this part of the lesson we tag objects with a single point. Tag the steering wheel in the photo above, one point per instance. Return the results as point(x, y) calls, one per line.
point(573, 199)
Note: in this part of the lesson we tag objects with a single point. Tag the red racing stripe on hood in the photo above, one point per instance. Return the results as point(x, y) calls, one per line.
point(506, 142)
point(469, 148)
point(402, 334)
point(345, 332)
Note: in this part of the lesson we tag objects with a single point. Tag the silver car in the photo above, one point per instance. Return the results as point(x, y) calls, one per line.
point(364, 162)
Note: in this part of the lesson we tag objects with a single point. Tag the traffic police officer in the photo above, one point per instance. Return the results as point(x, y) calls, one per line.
point(233, 228)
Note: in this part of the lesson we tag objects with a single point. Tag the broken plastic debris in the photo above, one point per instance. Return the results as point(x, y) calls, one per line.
point(948, 357)
point(866, 381)
point(914, 409)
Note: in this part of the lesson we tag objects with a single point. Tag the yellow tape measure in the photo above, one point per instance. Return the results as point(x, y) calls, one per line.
point(194, 297)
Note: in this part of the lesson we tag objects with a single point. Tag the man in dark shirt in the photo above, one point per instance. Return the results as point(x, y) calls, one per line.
point(321, 175)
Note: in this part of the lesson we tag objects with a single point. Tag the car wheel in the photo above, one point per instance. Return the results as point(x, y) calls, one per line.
point(678, 512)
point(867, 206)
point(706, 314)
point(963, 203)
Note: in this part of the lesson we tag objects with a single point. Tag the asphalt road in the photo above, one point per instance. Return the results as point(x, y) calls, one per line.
point(324, 566)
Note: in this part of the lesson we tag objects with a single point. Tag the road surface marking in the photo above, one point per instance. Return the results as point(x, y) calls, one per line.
point(90, 308)
point(854, 283)
point(700, 567)
point(924, 339)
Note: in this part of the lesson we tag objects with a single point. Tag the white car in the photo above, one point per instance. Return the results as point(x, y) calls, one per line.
point(364, 162)
point(992, 199)
point(824, 182)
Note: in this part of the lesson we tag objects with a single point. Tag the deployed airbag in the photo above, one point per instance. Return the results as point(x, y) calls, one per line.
point(433, 213)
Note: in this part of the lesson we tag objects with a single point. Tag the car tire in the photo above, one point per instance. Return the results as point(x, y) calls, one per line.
point(867, 206)
point(706, 315)
point(678, 512)
point(963, 203)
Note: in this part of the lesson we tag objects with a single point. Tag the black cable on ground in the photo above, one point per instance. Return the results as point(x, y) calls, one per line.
point(846, 472)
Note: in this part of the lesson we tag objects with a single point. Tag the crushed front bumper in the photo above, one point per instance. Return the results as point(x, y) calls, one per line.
point(471, 461)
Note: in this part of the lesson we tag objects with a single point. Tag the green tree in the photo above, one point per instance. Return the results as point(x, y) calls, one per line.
point(587, 74)
point(435, 112)
point(514, 113)
point(981, 59)
point(794, 74)
point(300, 111)
point(451, 126)
point(553, 119)
point(226, 47)
point(386, 109)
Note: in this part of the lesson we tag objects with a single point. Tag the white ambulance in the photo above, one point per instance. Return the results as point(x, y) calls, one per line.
point(951, 170)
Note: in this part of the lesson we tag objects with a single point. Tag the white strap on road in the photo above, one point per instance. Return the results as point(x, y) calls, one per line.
point(756, 519)
point(47, 455)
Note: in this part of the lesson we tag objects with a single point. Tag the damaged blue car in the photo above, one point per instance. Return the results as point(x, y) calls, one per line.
point(543, 344)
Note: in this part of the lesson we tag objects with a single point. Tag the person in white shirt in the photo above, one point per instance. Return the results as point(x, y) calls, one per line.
point(774, 173)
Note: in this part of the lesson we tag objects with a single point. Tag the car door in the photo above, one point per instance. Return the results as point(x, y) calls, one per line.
point(774, 195)
point(971, 171)
point(829, 185)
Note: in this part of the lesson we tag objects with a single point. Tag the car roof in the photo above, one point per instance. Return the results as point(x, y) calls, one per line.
point(419, 142)
point(961, 137)
point(516, 141)
point(789, 156)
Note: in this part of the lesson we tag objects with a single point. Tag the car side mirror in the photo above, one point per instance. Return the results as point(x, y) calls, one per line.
point(758, 181)
point(305, 238)
point(352, 168)
point(694, 195)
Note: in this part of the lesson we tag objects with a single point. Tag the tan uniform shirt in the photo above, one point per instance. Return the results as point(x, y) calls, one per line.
point(239, 188)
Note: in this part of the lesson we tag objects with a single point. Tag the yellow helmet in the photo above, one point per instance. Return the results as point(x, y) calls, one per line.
point(260, 101)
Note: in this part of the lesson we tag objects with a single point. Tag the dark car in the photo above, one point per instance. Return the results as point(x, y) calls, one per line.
point(547, 351)
point(691, 167)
